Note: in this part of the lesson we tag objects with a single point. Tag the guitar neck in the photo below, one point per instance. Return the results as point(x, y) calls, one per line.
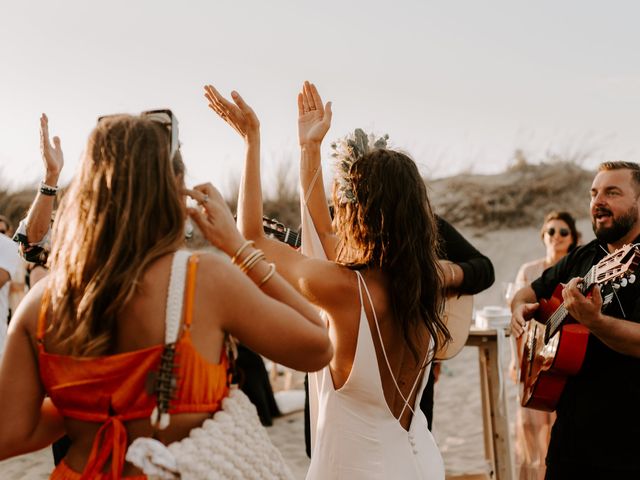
point(288, 236)
point(555, 320)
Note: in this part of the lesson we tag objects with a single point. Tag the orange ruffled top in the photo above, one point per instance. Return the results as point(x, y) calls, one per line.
point(112, 389)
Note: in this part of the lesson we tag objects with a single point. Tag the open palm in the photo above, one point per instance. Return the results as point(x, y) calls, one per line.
point(51, 154)
point(314, 119)
point(239, 115)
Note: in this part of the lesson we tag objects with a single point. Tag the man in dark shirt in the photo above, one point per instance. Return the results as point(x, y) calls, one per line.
point(473, 273)
point(598, 416)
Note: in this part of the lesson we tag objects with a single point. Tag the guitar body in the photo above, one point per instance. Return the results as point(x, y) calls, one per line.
point(458, 312)
point(545, 367)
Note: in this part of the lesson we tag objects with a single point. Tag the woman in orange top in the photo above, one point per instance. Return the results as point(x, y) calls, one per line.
point(89, 336)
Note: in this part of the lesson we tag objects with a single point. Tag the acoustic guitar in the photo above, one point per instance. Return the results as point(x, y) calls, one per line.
point(556, 344)
point(274, 229)
point(458, 313)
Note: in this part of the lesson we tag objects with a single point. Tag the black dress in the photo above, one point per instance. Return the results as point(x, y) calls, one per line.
point(254, 382)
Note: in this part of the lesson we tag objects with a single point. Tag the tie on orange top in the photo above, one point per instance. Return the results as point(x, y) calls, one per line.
point(111, 389)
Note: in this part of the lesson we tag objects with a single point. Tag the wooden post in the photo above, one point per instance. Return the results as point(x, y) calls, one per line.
point(494, 405)
point(487, 424)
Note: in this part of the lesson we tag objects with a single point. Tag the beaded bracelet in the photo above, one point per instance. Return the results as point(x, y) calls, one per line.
point(272, 270)
point(48, 190)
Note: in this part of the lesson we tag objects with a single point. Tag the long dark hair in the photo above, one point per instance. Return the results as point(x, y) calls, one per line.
point(390, 225)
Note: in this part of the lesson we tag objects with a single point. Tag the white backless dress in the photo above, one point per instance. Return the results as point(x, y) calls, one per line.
point(356, 435)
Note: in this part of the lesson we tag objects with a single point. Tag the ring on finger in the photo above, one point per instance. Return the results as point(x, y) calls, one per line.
point(204, 200)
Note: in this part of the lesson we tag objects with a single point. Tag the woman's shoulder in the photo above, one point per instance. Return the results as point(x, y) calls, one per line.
point(328, 284)
point(214, 265)
point(531, 270)
point(533, 264)
point(209, 259)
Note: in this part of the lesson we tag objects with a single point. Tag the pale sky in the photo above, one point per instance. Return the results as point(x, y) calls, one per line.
point(458, 85)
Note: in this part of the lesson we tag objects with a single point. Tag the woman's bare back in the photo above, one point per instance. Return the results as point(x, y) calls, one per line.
point(141, 324)
point(343, 331)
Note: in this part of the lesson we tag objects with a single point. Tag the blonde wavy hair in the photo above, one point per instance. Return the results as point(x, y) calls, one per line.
point(123, 210)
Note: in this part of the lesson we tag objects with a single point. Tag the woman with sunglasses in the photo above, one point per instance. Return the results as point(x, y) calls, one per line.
point(559, 236)
point(533, 427)
point(380, 292)
point(86, 344)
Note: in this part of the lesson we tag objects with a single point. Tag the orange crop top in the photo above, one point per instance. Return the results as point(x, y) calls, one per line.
point(111, 389)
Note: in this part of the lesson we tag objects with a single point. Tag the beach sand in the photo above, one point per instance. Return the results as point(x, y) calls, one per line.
point(457, 417)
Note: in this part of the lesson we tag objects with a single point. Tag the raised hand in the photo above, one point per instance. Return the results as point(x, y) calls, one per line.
point(214, 218)
point(314, 119)
point(51, 154)
point(238, 114)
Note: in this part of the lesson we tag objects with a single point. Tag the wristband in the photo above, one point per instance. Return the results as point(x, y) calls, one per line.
point(48, 190)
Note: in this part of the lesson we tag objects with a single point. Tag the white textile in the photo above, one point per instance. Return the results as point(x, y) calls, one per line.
point(9, 261)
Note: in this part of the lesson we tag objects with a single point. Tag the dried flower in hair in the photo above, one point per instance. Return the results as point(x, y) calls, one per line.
point(347, 151)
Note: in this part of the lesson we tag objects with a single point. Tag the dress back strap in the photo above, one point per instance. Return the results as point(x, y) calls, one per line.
point(361, 282)
point(175, 295)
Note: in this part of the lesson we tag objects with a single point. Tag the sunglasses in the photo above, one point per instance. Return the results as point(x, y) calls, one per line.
point(563, 232)
point(164, 117)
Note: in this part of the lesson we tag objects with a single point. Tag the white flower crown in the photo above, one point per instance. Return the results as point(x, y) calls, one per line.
point(347, 151)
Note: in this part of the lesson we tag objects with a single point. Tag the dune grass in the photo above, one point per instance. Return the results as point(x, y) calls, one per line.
point(519, 196)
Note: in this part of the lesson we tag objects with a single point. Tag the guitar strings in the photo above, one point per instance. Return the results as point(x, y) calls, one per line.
point(560, 314)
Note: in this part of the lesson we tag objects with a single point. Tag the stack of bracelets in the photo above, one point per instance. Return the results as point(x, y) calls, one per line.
point(48, 190)
point(252, 260)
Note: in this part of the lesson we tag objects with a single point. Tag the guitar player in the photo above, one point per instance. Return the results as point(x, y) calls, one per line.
point(597, 429)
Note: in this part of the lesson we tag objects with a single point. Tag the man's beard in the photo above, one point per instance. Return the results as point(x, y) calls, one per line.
point(619, 228)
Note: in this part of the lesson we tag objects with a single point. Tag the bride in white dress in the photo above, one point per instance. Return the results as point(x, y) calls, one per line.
point(379, 284)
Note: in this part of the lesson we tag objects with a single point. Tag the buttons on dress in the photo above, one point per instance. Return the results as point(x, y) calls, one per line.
point(412, 442)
